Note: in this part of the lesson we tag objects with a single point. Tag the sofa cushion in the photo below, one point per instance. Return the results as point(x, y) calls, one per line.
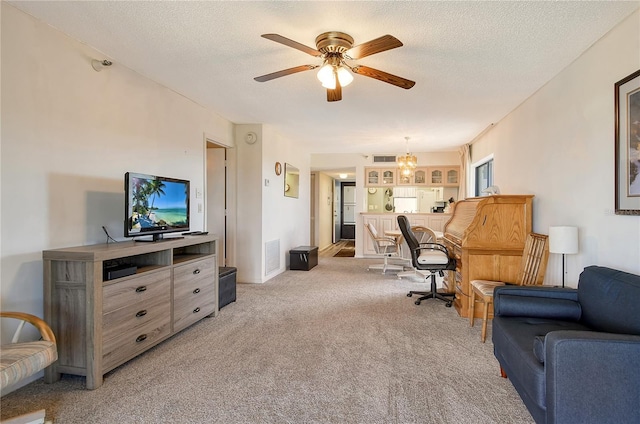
point(513, 340)
point(540, 307)
point(609, 300)
point(538, 348)
point(21, 360)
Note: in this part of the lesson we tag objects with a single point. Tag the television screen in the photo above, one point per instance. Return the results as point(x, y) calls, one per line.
point(155, 205)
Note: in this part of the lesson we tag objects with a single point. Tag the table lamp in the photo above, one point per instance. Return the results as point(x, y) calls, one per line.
point(564, 240)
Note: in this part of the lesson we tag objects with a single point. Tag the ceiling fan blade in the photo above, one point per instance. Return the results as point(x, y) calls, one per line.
point(335, 94)
point(384, 76)
point(381, 44)
point(290, 43)
point(284, 72)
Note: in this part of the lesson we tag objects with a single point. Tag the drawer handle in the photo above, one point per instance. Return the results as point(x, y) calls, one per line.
point(196, 291)
point(141, 338)
point(197, 271)
point(195, 311)
point(141, 289)
point(141, 313)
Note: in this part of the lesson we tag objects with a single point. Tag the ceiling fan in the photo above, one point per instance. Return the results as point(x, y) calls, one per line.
point(335, 48)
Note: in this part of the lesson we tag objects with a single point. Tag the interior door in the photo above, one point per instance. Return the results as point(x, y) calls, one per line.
point(216, 196)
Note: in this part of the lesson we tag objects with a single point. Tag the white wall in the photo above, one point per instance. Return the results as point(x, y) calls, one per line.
point(285, 218)
point(249, 205)
point(69, 134)
point(559, 146)
point(264, 213)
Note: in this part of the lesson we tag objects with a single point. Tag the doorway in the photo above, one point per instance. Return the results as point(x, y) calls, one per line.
point(219, 211)
point(348, 211)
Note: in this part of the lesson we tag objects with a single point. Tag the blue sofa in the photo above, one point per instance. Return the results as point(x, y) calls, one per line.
point(573, 355)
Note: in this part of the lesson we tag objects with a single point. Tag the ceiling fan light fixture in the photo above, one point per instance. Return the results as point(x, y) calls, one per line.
point(344, 76)
point(326, 76)
point(333, 48)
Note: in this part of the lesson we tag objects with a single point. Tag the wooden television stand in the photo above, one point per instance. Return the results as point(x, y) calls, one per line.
point(101, 323)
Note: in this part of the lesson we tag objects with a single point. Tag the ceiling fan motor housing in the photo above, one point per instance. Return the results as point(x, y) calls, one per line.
point(333, 42)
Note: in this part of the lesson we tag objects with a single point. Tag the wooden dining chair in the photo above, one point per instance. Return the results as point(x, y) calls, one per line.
point(531, 272)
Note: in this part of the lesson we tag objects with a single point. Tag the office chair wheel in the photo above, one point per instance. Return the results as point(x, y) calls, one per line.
point(448, 304)
point(409, 294)
point(417, 302)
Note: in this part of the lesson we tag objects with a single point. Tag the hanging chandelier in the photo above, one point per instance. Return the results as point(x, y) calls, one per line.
point(408, 162)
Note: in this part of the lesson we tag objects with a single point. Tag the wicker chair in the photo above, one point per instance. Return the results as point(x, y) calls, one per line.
point(387, 247)
point(531, 272)
point(20, 360)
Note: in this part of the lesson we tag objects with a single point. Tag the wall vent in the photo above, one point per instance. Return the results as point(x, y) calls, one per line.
point(271, 256)
point(384, 159)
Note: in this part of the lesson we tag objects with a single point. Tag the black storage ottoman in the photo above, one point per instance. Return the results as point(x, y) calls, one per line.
point(226, 285)
point(303, 258)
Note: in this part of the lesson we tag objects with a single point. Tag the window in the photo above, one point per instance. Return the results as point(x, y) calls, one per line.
point(484, 176)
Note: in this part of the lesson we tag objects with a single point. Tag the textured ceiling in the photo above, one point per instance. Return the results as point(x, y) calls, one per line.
point(473, 62)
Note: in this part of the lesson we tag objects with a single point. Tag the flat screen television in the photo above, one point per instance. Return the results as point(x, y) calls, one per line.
point(155, 205)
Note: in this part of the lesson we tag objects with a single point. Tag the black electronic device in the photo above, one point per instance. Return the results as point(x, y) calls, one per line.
point(111, 272)
point(155, 205)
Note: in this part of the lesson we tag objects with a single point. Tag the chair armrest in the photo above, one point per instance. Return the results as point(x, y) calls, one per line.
point(592, 377)
point(431, 246)
point(539, 302)
point(43, 327)
point(385, 239)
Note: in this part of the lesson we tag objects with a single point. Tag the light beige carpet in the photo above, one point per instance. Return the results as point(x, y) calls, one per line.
point(336, 344)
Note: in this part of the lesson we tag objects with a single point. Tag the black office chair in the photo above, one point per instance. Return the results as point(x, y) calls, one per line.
point(432, 257)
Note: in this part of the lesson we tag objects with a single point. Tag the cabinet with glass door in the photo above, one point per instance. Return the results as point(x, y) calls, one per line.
point(417, 178)
point(380, 177)
point(443, 176)
point(452, 176)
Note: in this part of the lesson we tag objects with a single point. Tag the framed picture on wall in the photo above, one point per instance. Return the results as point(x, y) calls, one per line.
point(627, 145)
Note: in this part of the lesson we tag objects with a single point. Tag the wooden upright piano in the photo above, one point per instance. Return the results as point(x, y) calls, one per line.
point(486, 235)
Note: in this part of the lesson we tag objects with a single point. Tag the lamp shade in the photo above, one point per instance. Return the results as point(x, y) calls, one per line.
point(563, 239)
point(327, 76)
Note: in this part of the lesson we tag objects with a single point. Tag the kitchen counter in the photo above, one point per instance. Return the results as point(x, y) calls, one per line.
point(388, 221)
point(405, 213)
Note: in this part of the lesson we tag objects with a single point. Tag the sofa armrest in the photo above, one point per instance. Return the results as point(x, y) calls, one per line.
point(592, 377)
point(538, 302)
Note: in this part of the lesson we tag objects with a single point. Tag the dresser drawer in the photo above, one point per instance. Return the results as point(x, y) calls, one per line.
point(202, 270)
point(188, 310)
point(194, 292)
point(137, 290)
point(137, 315)
point(133, 340)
